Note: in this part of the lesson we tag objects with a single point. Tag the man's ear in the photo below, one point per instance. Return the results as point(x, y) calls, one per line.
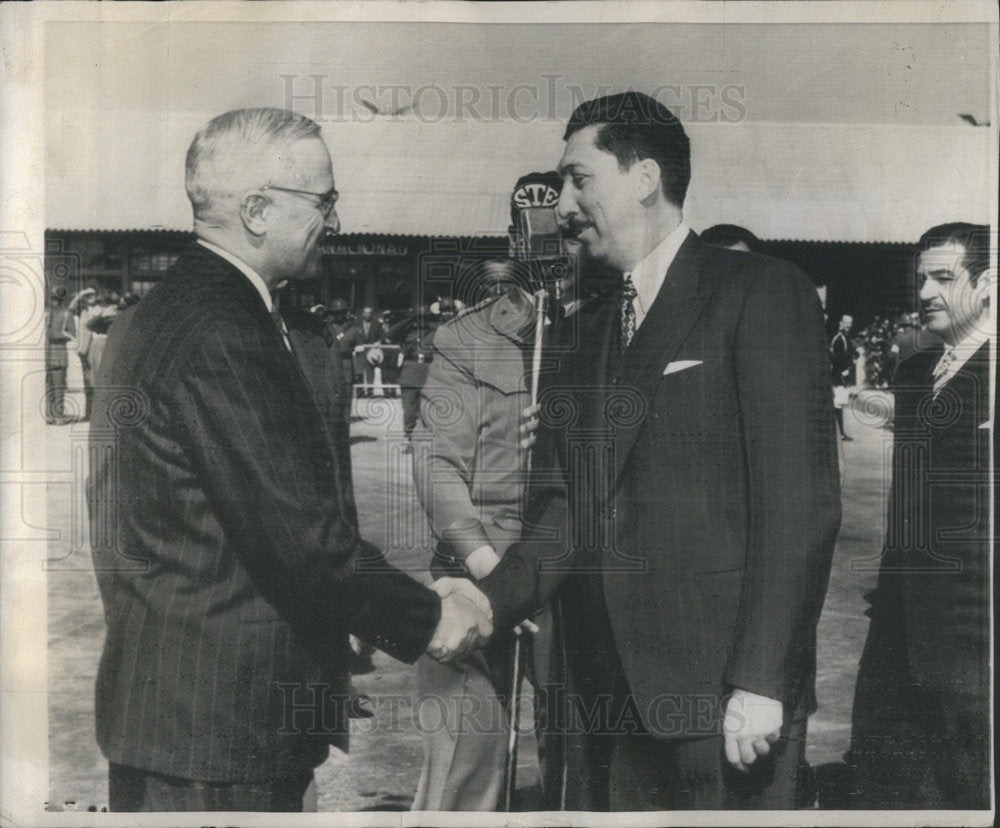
point(984, 285)
point(646, 174)
point(253, 213)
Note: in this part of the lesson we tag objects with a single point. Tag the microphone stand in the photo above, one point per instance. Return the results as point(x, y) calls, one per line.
point(517, 656)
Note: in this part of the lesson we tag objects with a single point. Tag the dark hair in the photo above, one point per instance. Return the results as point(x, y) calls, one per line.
point(632, 127)
point(729, 235)
point(974, 238)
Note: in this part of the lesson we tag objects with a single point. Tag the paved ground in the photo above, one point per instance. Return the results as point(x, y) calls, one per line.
point(383, 767)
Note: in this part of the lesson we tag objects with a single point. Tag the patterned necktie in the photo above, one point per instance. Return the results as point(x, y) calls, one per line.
point(626, 310)
point(942, 367)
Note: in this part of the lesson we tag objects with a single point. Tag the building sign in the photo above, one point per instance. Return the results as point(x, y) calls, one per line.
point(369, 249)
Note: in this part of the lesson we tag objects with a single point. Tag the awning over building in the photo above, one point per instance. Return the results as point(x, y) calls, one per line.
point(823, 182)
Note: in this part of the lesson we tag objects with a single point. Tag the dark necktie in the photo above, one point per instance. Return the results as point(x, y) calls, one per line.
point(626, 310)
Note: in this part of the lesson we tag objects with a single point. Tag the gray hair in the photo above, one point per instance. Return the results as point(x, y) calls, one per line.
point(237, 150)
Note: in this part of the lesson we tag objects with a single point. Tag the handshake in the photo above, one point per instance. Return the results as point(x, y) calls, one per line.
point(466, 619)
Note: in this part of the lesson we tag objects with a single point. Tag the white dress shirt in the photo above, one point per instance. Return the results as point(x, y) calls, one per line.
point(648, 275)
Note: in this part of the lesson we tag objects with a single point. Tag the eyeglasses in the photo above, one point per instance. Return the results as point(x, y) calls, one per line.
point(327, 201)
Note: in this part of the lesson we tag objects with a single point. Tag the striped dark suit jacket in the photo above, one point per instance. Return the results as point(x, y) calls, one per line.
point(226, 544)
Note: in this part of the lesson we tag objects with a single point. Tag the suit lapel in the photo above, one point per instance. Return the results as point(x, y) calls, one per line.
point(601, 357)
point(677, 306)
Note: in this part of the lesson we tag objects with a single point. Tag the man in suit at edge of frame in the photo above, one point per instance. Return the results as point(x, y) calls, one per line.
point(694, 574)
point(225, 541)
point(921, 721)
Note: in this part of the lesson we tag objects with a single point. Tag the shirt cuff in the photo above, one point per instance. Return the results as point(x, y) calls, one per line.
point(463, 538)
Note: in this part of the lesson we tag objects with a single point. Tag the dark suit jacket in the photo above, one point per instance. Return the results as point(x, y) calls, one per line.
point(699, 474)
point(225, 544)
point(933, 589)
point(355, 335)
point(841, 359)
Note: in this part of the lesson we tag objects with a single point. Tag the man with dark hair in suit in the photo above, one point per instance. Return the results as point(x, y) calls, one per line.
point(921, 719)
point(693, 504)
point(225, 539)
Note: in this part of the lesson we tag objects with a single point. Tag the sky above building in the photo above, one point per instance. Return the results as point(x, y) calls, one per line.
point(428, 121)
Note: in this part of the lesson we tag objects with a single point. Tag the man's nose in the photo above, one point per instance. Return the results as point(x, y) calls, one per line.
point(927, 290)
point(566, 206)
point(332, 226)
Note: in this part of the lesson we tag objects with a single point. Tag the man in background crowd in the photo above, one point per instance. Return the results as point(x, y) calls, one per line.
point(366, 331)
point(921, 718)
point(224, 532)
point(338, 325)
point(58, 331)
point(842, 370)
point(84, 306)
point(415, 335)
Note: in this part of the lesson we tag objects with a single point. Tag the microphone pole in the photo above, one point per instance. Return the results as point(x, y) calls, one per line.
point(517, 656)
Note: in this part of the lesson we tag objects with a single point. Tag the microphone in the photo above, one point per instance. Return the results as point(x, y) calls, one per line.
point(538, 235)
point(540, 243)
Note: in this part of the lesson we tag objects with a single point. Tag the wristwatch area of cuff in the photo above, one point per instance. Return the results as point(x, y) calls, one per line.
point(459, 541)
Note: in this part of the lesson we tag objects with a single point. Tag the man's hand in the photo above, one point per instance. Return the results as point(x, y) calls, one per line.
point(464, 587)
point(481, 563)
point(466, 619)
point(529, 426)
point(752, 724)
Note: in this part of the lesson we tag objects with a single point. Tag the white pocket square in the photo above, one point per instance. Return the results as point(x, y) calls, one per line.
point(680, 365)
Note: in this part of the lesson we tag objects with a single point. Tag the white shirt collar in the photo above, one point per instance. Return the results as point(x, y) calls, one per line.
point(243, 268)
point(649, 273)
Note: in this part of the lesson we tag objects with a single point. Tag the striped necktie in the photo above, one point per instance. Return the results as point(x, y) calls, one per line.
point(943, 367)
point(279, 323)
point(626, 310)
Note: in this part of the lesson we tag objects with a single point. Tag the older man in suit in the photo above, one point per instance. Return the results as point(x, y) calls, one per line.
point(226, 544)
point(693, 503)
point(922, 704)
